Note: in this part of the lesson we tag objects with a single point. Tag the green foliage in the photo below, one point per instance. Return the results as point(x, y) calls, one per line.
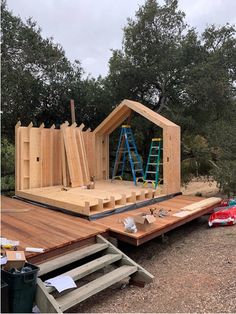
point(7, 165)
point(164, 63)
point(7, 157)
point(148, 66)
point(37, 79)
point(7, 183)
point(189, 78)
point(222, 136)
point(196, 157)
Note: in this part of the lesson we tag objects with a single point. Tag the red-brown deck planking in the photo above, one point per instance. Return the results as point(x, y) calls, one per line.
point(160, 226)
point(40, 227)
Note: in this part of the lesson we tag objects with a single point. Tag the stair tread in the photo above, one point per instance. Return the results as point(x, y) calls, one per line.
point(90, 267)
point(71, 257)
point(78, 295)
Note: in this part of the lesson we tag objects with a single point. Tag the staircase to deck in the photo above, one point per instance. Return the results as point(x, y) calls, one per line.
point(102, 259)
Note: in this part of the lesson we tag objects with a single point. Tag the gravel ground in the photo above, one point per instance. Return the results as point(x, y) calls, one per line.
point(194, 269)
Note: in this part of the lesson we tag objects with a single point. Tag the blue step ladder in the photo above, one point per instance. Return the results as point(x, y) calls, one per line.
point(153, 164)
point(127, 148)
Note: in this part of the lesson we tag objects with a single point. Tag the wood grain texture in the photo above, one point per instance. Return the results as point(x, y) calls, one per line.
point(83, 159)
point(171, 142)
point(105, 197)
point(41, 227)
point(161, 225)
point(72, 156)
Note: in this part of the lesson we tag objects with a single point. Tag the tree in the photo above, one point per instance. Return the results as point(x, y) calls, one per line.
point(189, 78)
point(37, 78)
point(149, 65)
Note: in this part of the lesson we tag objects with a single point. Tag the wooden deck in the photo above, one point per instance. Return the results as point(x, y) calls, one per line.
point(59, 233)
point(106, 196)
point(39, 227)
point(191, 207)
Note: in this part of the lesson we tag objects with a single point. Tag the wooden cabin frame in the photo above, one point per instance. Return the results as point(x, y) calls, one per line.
point(171, 143)
point(45, 157)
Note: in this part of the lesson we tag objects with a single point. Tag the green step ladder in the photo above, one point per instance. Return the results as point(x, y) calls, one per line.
point(127, 148)
point(153, 164)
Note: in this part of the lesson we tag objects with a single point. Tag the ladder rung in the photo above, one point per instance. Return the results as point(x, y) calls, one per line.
point(155, 147)
point(153, 155)
point(152, 163)
point(138, 169)
point(151, 172)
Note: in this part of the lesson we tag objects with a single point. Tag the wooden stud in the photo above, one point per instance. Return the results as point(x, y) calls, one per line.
point(81, 126)
point(112, 202)
point(72, 110)
point(74, 125)
point(150, 193)
point(17, 156)
point(63, 158)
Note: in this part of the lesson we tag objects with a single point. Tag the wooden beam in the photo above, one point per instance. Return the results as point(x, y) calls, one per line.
point(63, 158)
point(44, 301)
point(81, 126)
point(17, 156)
point(72, 110)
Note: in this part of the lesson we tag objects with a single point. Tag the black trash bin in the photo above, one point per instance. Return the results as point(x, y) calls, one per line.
point(4, 297)
point(22, 288)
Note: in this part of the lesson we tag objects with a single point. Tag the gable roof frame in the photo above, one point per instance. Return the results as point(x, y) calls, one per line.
point(171, 142)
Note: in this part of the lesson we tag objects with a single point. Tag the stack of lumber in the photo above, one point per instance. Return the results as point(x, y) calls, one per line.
point(75, 170)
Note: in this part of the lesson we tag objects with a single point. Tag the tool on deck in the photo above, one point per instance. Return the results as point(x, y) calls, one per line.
point(127, 148)
point(152, 168)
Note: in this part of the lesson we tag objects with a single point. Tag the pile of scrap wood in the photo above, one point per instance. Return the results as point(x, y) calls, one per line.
point(75, 170)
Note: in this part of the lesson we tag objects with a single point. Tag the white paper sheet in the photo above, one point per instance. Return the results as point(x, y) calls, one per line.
point(61, 283)
point(3, 260)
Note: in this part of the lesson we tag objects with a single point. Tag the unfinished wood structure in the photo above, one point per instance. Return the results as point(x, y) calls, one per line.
point(171, 142)
point(91, 277)
point(54, 166)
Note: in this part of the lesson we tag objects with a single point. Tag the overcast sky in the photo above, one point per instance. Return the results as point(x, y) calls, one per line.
point(89, 29)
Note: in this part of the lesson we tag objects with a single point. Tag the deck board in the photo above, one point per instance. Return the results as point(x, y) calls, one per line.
point(161, 225)
point(36, 226)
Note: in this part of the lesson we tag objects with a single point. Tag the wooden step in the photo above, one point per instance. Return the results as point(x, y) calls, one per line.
point(89, 268)
point(71, 257)
point(78, 295)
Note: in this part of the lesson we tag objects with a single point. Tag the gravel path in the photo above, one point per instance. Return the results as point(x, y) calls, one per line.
point(194, 269)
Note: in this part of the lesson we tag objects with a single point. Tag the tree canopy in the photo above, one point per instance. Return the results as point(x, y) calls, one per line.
point(164, 63)
point(187, 77)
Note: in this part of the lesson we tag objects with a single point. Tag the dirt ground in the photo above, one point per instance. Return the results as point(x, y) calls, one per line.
point(194, 269)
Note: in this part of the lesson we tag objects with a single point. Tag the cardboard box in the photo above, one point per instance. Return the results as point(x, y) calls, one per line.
point(143, 221)
point(15, 259)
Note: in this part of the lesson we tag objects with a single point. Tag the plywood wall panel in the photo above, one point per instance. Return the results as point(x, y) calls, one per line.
point(89, 142)
point(35, 158)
